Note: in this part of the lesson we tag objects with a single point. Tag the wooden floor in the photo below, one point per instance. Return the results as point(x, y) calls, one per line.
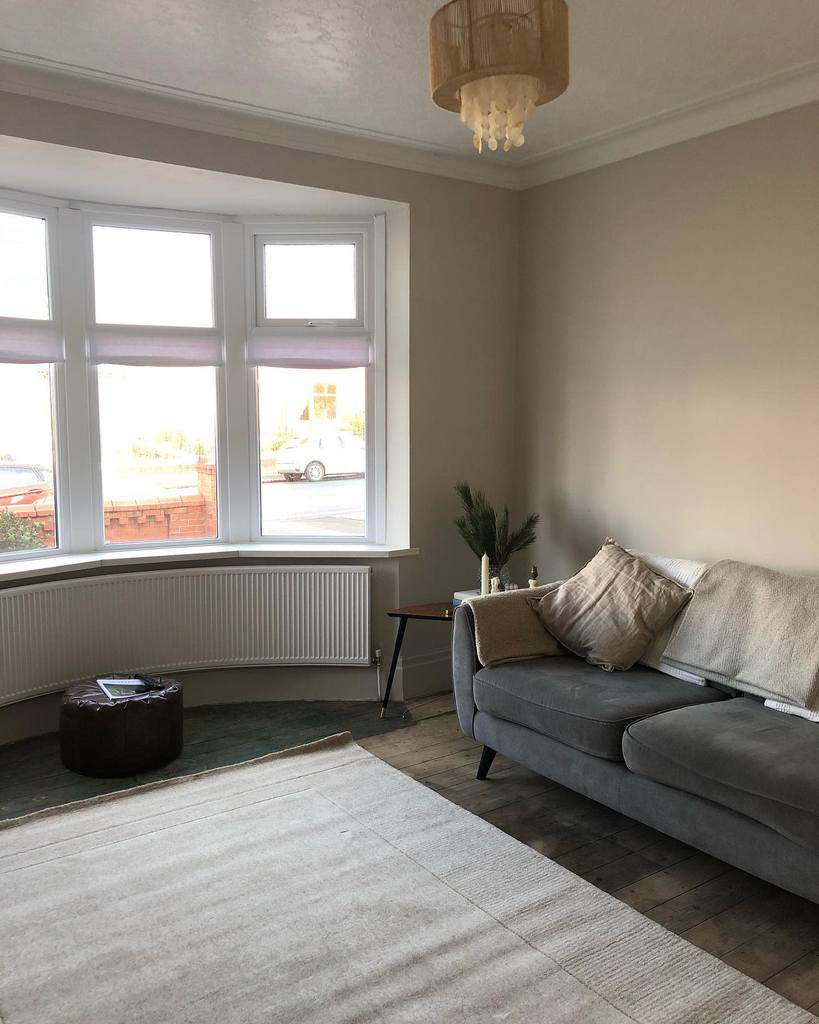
point(761, 930)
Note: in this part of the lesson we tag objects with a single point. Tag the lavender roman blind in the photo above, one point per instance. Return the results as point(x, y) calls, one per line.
point(338, 351)
point(30, 341)
point(156, 346)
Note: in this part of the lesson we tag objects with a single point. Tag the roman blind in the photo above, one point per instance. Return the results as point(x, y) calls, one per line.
point(30, 341)
point(156, 346)
point(294, 351)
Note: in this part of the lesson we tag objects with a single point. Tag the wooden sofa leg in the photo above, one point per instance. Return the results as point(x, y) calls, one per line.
point(487, 757)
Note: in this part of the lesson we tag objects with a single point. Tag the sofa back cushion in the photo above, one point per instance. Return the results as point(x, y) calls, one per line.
point(610, 611)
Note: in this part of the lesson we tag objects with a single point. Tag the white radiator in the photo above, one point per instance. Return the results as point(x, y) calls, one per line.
point(52, 634)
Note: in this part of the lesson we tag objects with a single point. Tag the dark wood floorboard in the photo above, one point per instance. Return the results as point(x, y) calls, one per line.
point(764, 932)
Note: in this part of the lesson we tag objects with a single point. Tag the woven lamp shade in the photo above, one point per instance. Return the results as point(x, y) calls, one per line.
point(471, 39)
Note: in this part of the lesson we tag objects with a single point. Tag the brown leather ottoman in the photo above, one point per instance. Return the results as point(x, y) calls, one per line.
point(108, 738)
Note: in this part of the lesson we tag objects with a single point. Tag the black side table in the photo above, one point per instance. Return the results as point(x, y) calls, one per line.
point(439, 612)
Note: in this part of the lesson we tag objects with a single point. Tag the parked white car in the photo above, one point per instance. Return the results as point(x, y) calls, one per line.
point(13, 474)
point(338, 453)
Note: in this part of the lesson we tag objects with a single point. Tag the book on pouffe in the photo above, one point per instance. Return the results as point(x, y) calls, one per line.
point(117, 687)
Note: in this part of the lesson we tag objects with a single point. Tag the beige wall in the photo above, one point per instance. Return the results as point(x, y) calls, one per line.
point(463, 255)
point(668, 382)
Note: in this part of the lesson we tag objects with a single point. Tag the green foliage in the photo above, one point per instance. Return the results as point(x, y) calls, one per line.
point(354, 422)
point(17, 534)
point(157, 447)
point(488, 531)
point(173, 439)
point(276, 442)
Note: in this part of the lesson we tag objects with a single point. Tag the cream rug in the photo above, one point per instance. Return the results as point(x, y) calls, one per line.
point(321, 885)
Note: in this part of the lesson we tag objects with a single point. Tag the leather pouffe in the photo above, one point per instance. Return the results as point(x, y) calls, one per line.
point(108, 738)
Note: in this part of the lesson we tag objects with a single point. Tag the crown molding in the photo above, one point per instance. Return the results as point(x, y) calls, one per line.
point(84, 87)
point(782, 91)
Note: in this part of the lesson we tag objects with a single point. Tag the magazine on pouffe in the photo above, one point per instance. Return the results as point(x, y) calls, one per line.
point(117, 688)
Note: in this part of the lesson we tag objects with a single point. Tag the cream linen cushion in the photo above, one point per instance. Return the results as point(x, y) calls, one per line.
point(611, 610)
point(507, 627)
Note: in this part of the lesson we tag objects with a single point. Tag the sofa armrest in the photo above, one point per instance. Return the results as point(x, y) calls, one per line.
point(464, 666)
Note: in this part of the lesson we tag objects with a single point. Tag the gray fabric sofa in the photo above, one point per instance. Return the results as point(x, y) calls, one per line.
point(709, 767)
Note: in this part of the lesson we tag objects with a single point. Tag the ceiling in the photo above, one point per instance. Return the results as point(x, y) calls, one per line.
point(360, 66)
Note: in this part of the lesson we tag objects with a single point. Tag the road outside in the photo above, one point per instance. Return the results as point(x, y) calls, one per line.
point(332, 507)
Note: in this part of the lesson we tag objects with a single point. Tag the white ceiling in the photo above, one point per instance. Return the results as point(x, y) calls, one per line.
point(360, 66)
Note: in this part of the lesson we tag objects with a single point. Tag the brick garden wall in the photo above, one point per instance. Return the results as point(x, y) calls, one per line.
point(172, 518)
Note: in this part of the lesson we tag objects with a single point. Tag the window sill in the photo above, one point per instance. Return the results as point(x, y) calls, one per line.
point(59, 565)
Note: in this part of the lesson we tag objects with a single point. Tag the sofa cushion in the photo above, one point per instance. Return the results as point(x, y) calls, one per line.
point(739, 754)
point(611, 610)
point(569, 700)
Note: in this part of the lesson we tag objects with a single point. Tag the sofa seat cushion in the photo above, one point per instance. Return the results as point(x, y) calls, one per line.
point(578, 704)
point(738, 754)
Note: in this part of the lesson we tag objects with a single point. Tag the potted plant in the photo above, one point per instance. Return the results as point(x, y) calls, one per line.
point(487, 531)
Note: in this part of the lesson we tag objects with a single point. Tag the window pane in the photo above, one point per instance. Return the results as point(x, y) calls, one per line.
point(158, 440)
point(150, 277)
point(305, 282)
point(313, 454)
point(23, 267)
point(27, 516)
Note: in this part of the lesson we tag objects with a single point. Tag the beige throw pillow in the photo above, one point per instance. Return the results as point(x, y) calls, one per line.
point(507, 627)
point(611, 610)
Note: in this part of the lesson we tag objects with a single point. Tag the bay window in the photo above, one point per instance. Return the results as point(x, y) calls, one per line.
point(313, 451)
point(24, 271)
point(156, 340)
point(309, 281)
point(168, 379)
point(315, 343)
point(157, 278)
point(158, 453)
point(30, 350)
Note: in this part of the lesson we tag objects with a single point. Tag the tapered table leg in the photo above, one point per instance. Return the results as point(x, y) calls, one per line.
point(402, 625)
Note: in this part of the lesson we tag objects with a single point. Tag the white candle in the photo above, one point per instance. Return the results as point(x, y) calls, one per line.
point(485, 575)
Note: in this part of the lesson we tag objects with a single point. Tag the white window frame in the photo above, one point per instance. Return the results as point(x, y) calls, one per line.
point(315, 234)
point(236, 250)
point(369, 237)
point(49, 212)
point(152, 221)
